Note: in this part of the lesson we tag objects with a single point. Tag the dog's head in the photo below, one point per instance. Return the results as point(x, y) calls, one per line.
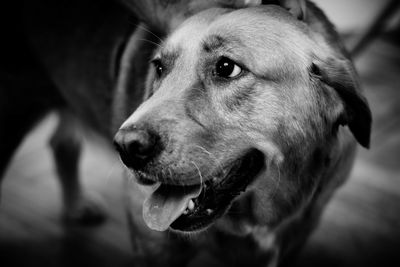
point(240, 102)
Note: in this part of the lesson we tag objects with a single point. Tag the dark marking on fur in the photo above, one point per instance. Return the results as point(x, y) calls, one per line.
point(240, 98)
point(167, 60)
point(169, 57)
point(213, 43)
point(195, 102)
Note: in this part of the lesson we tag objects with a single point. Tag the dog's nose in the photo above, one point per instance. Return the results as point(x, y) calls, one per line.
point(135, 146)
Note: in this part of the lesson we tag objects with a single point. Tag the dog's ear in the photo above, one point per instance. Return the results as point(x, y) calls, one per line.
point(340, 75)
point(297, 8)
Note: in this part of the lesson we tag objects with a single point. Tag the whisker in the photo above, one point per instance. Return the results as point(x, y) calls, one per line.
point(147, 30)
point(200, 176)
point(168, 142)
point(170, 173)
point(154, 43)
point(140, 25)
point(213, 157)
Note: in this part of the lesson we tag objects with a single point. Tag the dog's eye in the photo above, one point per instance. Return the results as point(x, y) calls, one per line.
point(158, 66)
point(227, 68)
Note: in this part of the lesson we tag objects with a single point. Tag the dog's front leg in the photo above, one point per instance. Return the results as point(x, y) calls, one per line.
point(66, 147)
point(20, 110)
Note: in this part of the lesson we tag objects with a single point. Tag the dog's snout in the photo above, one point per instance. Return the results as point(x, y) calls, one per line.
point(135, 146)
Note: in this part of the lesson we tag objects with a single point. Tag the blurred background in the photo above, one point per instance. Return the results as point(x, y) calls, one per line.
point(360, 227)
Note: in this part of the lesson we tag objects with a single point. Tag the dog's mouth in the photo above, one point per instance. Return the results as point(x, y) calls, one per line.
point(191, 208)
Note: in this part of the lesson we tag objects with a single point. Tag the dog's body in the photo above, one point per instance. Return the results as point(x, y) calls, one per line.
point(249, 100)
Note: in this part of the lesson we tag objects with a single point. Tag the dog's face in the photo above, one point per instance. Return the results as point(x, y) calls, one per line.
point(238, 102)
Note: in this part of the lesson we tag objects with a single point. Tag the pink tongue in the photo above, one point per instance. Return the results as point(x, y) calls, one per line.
point(166, 204)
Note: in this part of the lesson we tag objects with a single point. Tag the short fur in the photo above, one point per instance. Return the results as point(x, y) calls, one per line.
point(298, 102)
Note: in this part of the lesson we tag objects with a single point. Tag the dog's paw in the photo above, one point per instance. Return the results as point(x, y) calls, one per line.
point(87, 211)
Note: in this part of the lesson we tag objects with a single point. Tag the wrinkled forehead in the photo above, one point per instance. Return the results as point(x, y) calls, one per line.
point(192, 32)
point(265, 26)
point(196, 27)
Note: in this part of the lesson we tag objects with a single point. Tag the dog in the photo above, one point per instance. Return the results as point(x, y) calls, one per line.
point(238, 131)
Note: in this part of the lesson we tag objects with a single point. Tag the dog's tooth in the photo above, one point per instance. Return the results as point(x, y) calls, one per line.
point(191, 205)
point(209, 211)
point(186, 211)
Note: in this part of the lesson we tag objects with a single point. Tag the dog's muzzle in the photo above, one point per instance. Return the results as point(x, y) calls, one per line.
point(184, 207)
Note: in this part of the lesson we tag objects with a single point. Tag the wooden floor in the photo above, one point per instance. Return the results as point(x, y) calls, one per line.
point(361, 226)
